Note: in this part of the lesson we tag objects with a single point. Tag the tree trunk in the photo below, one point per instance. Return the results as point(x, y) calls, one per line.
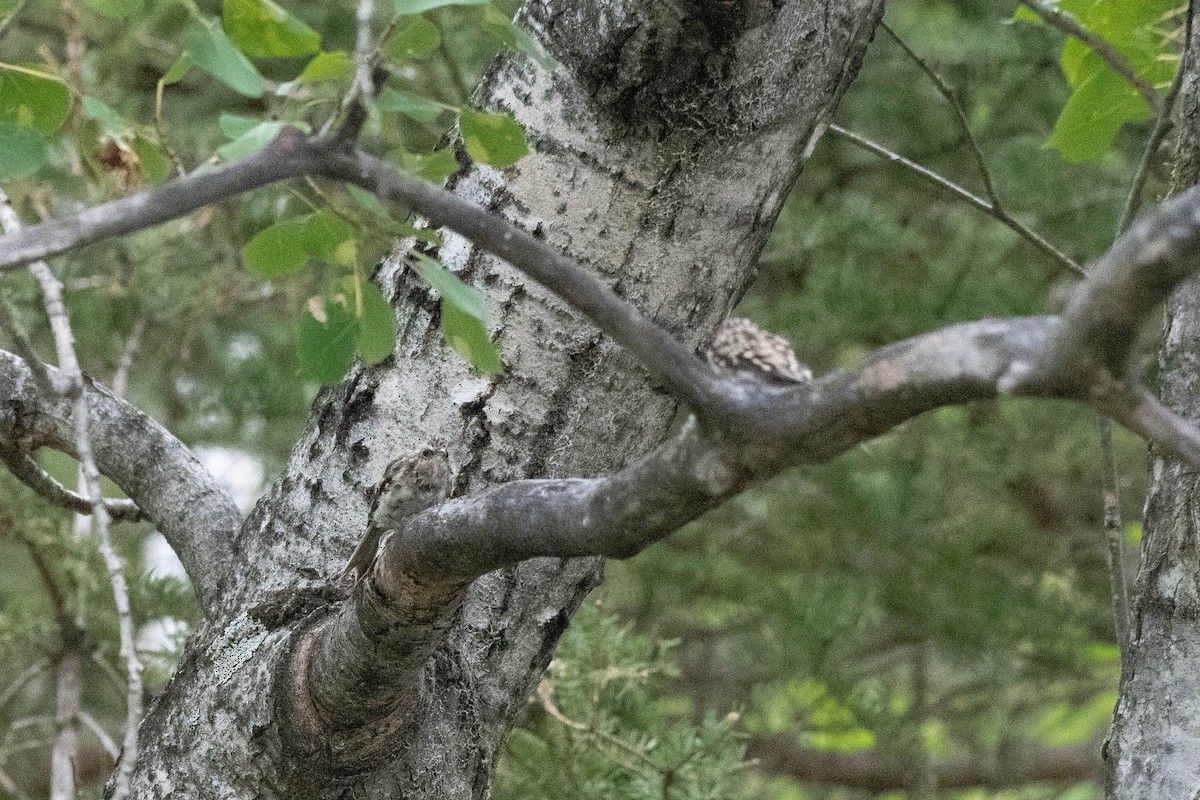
point(662, 149)
point(1154, 750)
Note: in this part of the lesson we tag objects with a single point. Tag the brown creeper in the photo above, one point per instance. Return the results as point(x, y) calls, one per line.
point(410, 484)
point(744, 349)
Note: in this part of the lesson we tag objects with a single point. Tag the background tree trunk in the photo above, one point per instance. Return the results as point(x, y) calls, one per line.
point(663, 148)
point(1154, 750)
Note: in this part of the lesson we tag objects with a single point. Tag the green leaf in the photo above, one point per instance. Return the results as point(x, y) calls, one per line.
point(29, 101)
point(466, 336)
point(416, 40)
point(287, 246)
point(179, 70)
point(234, 125)
point(422, 109)
point(110, 121)
point(417, 6)
point(449, 287)
point(326, 236)
point(152, 161)
point(251, 141)
point(376, 327)
point(114, 9)
point(212, 51)
point(434, 167)
point(22, 151)
point(499, 25)
point(463, 314)
point(1023, 14)
point(495, 139)
point(326, 346)
point(327, 67)
point(1094, 113)
point(264, 29)
point(368, 201)
point(277, 251)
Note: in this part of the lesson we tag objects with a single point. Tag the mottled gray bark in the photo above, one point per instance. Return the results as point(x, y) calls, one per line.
point(662, 152)
point(1154, 749)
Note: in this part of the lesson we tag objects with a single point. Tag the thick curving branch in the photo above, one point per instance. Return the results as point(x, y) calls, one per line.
point(396, 616)
point(439, 551)
point(293, 154)
point(152, 467)
point(687, 376)
point(1107, 310)
point(620, 515)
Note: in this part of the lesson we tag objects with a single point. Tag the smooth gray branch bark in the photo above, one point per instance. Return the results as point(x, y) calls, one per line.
point(151, 466)
point(1125, 285)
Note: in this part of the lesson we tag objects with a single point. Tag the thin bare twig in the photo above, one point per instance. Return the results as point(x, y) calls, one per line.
point(121, 375)
point(999, 214)
point(64, 340)
point(21, 344)
point(68, 682)
point(26, 470)
point(362, 52)
point(1162, 125)
point(101, 735)
point(959, 115)
point(22, 678)
point(1115, 61)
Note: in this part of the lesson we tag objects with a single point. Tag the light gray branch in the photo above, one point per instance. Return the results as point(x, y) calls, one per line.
point(993, 210)
point(151, 466)
point(26, 470)
point(1125, 286)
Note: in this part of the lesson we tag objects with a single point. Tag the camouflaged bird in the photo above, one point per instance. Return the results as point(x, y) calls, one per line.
point(742, 348)
point(409, 485)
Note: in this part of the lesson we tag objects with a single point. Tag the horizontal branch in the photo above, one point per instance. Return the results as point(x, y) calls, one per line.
point(779, 754)
point(619, 515)
point(28, 472)
point(157, 471)
point(288, 156)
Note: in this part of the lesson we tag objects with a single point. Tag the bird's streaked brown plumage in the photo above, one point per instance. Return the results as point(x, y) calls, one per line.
point(742, 348)
point(410, 484)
